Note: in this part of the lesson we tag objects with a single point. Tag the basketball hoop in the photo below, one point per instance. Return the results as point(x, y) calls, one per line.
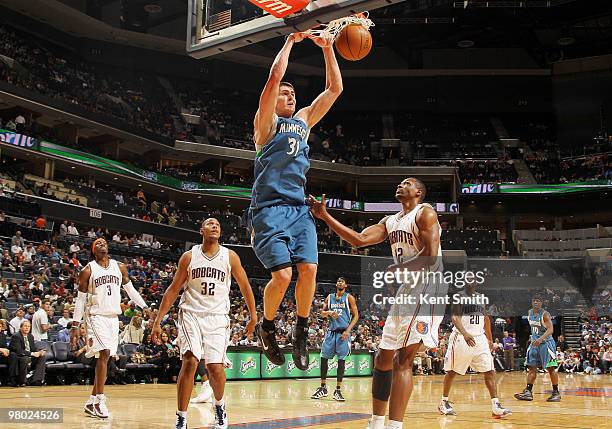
point(334, 27)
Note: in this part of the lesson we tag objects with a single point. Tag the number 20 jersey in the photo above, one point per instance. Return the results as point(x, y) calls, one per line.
point(207, 288)
point(281, 165)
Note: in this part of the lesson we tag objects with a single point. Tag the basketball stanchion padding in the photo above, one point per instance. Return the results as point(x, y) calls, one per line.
point(281, 8)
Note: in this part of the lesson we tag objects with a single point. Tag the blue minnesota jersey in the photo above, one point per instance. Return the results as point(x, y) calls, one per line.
point(340, 306)
point(281, 166)
point(536, 323)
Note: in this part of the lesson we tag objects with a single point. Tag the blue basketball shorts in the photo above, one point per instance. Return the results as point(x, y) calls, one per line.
point(544, 355)
point(333, 345)
point(284, 236)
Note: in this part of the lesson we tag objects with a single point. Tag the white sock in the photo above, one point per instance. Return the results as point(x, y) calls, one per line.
point(100, 397)
point(91, 400)
point(494, 401)
point(445, 398)
point(394, 424)
point(205, 384)
point(182, 413)
point(220, 403)
point(378, 422)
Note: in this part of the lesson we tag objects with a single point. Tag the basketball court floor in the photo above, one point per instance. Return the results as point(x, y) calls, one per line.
point(281, 404)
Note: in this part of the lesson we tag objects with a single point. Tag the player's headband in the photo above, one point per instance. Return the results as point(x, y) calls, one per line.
point(93, 245)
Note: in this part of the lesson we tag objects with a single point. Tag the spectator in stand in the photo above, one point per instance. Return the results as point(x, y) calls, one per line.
point(131, 311)
point(74, 247)
point(607, 360)
point(72, 229)
point(63, 230)
point(65, 319)
point(509, 344)
point(41, 222)
point(24, 354)
point(15, 323)
point(40, 322)
point(17, 240)
point(91, 234)
point(133, 333)
point(4, 351)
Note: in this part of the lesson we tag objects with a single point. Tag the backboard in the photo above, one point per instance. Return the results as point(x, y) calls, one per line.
point(216, 26)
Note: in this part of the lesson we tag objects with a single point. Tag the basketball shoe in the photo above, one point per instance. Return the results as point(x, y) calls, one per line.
point(299, 352)
point(321, 392)
point(338, 396)
point(269, 345)
point(525, 395)
point(220, 417)
point(89, 409)
point(446, 408)
point(100, 407)
point(555, 397)
point(499, 412)
point(181, 422)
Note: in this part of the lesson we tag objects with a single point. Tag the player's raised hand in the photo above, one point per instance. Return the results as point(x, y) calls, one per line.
point(298, 37)
point(323, 41)
point(317, 207)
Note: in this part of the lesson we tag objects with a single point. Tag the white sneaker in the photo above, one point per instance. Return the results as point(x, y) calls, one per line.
point(220, 417)
point(205, 396)
point(89, 409)
point(499, 412)
point(446, 408)
point(101, 409)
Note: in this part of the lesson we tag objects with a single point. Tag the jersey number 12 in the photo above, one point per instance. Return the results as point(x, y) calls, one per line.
point(208, 288)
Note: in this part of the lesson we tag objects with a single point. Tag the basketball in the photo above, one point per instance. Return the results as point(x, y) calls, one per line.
point(354, 42)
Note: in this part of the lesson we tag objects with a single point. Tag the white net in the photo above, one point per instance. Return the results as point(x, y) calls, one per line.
point(334, 27)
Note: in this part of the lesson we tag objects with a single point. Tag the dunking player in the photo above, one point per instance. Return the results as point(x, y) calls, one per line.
point(98, 300)
point(541, 352)
point(341, 308)
point(204, 274)
point(470, 345)
point(414, 234)
point(283, 230)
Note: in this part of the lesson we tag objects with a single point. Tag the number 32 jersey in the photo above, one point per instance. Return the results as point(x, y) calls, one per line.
point(208, 282)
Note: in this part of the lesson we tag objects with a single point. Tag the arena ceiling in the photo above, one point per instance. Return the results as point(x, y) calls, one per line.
point(404, 36)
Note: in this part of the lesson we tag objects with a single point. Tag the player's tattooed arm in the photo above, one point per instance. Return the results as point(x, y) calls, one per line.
point(373, 234)
point(354, 318)
point(180, 277)
point(245, 288)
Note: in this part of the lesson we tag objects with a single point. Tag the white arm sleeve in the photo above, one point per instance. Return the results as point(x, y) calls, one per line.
point(79, 307)
point(134, 295)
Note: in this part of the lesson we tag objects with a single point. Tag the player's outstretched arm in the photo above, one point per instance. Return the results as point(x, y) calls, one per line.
point(333, 84)
point(170, 295)
point(373, 234)
point(129, 288)
point(267, 100)
point(245, 288)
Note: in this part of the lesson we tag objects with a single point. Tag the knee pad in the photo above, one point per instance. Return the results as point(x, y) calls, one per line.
point(381, 384)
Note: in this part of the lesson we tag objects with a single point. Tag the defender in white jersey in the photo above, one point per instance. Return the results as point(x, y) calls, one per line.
point(414, 234)
point(470, 345)
point(204, 275)
point(98, 302)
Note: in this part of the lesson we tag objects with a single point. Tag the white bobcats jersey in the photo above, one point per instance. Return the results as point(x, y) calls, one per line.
point(105, 289)
point(208, 282)
point(472, 315)
point(405, 237)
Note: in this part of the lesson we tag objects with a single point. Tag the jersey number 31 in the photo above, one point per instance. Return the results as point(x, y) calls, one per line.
point(208, 288)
